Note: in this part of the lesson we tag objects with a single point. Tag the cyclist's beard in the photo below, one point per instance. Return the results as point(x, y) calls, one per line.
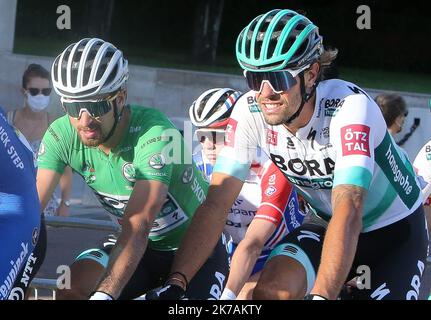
point(91, 136)
point(284, 112)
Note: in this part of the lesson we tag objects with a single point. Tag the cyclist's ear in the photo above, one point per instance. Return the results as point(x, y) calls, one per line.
point(121, 98)
point(311, 74)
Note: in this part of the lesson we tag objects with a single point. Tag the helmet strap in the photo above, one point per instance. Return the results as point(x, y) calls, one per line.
point(117, 118)
point(304, 97)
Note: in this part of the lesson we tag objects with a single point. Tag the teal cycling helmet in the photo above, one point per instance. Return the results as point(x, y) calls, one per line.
point(277, 40)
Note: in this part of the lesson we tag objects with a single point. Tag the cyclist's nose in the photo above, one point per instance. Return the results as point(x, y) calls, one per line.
point(267, 91)
point(84, 118)
point(209, 144)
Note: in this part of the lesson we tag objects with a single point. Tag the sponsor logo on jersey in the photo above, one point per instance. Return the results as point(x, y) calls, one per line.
point(17, 293)
point(428, 152)
point(290, 144)
point(270, 190)
point(332, 106)
point(238, 202)
point(293, 210)
point(41, 150)
point(271, 179)
point(254, 108)
point(88, 173)
point(187, 175)
point(355, 140)
point(54, 134)
point(6, 286)
point(230, 133)
point(315, 183)
point(325, 133)
point(155, 139)
point(125, 149)
point(198, 191)
point(157, 161)
point(399, 173)
point(290, 249)
point(129, 172)
point(114, 204)
point(271, 137)
point(312, 136)
point(242, 212)
point(10, 149)
point(312, 167)
point(34, 236)
point(135, 129)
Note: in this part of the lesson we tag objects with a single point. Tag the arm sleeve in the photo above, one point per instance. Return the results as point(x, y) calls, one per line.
point(52, 153)
point(356, 130)
point(276, 195)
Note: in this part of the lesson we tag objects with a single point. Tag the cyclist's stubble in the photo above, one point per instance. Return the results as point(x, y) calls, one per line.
point(287, 105)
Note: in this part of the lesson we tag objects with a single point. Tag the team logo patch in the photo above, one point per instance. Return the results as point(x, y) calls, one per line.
point(271, 137)
point(129, 172)
point(88, 173)
point(157, 161)
point(355, 140)
point(230, 133)
point(187, 175)
point(42, 149)
point(270, 190)
point(34, 236)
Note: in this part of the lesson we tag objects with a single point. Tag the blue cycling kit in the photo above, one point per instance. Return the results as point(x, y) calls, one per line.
point(19, 206)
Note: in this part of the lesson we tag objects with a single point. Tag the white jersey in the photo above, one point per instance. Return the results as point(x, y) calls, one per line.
point(345, 142)
point(422, 165)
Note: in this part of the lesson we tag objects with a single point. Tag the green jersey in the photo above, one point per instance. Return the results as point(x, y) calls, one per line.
point(150, 149)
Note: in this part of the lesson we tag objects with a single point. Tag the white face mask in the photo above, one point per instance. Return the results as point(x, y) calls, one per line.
point(38, 103)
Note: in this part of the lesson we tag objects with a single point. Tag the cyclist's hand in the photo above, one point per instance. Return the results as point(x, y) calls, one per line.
point(167, 292)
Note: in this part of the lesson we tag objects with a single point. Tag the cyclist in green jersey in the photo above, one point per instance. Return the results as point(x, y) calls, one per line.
point(136, 162)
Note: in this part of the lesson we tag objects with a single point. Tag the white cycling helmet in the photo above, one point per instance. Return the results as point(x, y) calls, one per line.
point(213, 107)
point(88, 68)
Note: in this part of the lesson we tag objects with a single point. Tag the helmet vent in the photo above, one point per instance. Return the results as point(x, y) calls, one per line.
point(75, 66)
point(287, 44)
point(301, 50)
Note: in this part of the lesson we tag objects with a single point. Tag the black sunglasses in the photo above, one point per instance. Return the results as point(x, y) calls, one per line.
point(94, 108)
point(36, 91)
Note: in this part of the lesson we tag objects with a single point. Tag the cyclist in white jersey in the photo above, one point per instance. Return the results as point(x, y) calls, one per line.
point(266, 209)
point(330, 140)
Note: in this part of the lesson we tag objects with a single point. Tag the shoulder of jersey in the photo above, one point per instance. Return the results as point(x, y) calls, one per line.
point(332, 94)
point(246, 102)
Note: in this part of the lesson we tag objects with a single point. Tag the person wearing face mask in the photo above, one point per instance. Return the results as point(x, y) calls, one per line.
point(394, 110)
point(33, 120)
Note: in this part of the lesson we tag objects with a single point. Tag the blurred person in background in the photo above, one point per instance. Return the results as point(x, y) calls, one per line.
point(33, 120)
